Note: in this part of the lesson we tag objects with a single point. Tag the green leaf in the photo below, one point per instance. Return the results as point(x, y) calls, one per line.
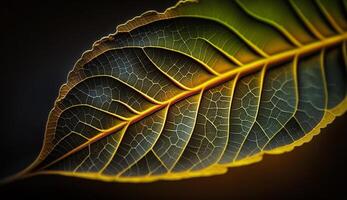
point(199, 88)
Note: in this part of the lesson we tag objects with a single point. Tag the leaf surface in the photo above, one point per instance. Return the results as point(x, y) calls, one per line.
point(199, 88)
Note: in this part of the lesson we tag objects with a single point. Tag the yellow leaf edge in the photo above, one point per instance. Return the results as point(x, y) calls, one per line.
point(216, 169)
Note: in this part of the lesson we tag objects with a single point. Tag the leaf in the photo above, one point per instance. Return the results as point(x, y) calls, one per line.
point(202, 87)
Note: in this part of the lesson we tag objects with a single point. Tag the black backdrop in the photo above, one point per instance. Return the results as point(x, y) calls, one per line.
point(41, 43)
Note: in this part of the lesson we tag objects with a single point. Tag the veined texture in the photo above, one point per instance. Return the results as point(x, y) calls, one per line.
point(199, 88)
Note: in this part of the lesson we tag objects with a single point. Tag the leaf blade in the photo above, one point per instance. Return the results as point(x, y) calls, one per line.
point(222, 66)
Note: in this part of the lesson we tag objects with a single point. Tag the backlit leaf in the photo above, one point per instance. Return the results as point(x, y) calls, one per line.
point(202, 87)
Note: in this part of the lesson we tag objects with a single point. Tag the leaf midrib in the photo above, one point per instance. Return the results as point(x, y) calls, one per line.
point(242, 70)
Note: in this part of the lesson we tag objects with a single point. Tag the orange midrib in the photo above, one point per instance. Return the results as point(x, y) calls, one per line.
point(246, 69)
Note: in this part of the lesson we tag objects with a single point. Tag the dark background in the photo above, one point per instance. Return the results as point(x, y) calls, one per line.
point(41, 43)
